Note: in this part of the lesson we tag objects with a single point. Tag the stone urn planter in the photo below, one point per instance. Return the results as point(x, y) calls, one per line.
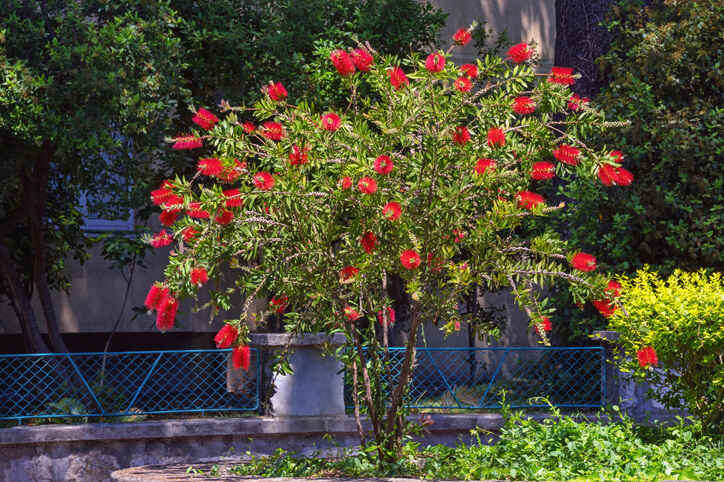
point(316, 386)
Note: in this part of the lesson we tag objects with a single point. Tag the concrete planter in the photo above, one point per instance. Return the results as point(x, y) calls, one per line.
point(316, 386)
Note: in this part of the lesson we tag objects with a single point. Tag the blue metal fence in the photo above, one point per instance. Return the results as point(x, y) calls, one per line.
point(484, 378)
point(124, 384)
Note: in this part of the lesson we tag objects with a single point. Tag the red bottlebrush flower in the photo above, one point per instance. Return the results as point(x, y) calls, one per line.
point(520, 53)
point(623, 177)
point(347, 273)
point(483, 165)
point(607, 174)
point(161, 239)
point(617, 156)
point(172, 201)
point(496, 137)
point(542, 170)
point(362, 59)
point(583, 262)
point(210, 167)
point(470, 70)
point(561, 76)
point(264, 181)
point(341, 61)
point(435, 62)
point(298, 156)
point(226, 337)
point(199, 277)
point(231, 174)
point(187, 142)
point(241, 357)
point(273, 131)
point(575, 102)
point(614, 287)
point(397, 76)
point(155, 297)
point(384, 165)
point(166, 313)
point(605, 306)
point(463, 84)
point(545, 323)
point(345, 183)
point(390, 317)
point(224, 216)
point(233, 198)
point(350, 313)
point(168, 217)
point(647, 356)
point(410, 259)
point(567, 154)
point(331, 122)
point(529, 200)
point(248, 127)
point(367, 185)
point(161, 195)
point(462, 36)
point(277, 91)
point(461, 135)
point(392, 211)
point(524, 105)
point(278, 305)
point(194, 211)
point(189, 233)
point(205, 119)
point(369, 242)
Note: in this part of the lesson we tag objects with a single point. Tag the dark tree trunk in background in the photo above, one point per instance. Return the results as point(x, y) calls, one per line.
point(580, 39)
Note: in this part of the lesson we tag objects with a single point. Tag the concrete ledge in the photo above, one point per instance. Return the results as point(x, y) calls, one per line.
point(264, 340)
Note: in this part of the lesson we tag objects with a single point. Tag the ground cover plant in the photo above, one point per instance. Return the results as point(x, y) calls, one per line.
point(559, 448)
point(421, 183)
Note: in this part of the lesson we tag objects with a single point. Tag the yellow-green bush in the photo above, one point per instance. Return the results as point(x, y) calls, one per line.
point(682, 318)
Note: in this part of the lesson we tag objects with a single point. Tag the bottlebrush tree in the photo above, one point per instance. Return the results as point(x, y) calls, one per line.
point(427, 179)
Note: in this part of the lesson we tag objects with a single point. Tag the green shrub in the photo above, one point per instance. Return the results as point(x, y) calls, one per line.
point(682, 318)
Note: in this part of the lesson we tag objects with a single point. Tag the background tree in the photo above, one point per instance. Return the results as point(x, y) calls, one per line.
point(86, 89)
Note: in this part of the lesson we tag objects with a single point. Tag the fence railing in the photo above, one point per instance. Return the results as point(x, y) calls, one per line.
point(484, 378)
point(124, 384)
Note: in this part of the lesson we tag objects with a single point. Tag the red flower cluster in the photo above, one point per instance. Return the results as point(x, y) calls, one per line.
point(647, 356)
point(470, 70)
point(276, 91)
point(233, 198)
point(567, 154)
point(155, 296)
point(210, 167)
point(583, 262)
point(545, 323)
point(524, 105)
point(607, 306)
point(224, 217)
point(496, 137)
point(367, 185)
point(264, 181)
point(226, 337)
point(205, 119)
point(345, 182)
point(392, 211)
point(410, 259)
point(273, 131)
point(241, 357)
point(278, 305)
point(397, 76)
point(187, 142)
point(611, 175)
point(462, 36)
point(435, 62)
point(161, 300)
point(384, 165)
point(347, 273)
point(561, 76)
point(342, 63)
point(350, 313)
point(162, 194)
point(483, 165)
point(461, 135)
point(161, 239)
point(194, 211)
point(529, 200)
point(248, 127)
point(390, 317)
point(463, 84)
point(362, 60)
point(231, 174)
point(189, 233)
point(542, 170)
point(298, 156)
point(520, 53)
point(575, 102)
point(369, 242)
point(199, 277)
point(331, 122)
point(459, 235)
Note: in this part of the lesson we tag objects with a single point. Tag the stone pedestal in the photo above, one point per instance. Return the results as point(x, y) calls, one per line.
point(316, 386)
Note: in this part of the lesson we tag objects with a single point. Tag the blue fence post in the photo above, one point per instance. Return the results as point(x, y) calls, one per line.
point(93, 395)
point(492, 380)
point(143, 384)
